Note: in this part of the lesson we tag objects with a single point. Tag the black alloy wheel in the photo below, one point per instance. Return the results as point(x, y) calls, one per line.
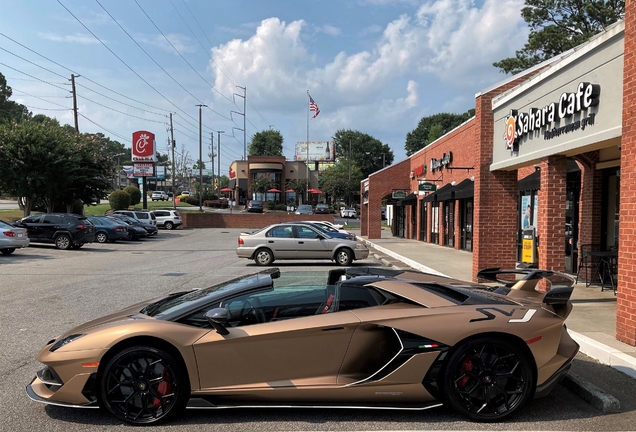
point(143, 385)
point(487, 379)
point(7, 251)
point(63, 242)
point(168, 225)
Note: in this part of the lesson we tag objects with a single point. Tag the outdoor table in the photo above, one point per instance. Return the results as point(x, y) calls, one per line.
point(605, 268)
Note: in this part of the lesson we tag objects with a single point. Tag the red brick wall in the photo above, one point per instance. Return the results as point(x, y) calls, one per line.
point(589, 204)
point(243, 220)
point(551, 214)
point(626, 299)
point(381, 185)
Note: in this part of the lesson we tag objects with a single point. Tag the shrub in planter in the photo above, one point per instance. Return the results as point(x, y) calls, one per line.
point(134, 193)
point(192, 200)
point(282, 207)
point(270, 205)
point(119, 200)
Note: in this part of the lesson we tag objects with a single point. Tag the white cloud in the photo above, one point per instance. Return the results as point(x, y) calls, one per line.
point(330, 30)
point(81, 38)
point(375, 28)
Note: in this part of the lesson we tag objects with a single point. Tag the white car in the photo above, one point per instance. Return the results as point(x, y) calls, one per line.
point(330, 226)
point(348, 212)
point(160, 196)
point(146, 217)
point(168, 219)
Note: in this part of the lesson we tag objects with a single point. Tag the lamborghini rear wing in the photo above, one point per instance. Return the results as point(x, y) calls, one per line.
point(560, 285)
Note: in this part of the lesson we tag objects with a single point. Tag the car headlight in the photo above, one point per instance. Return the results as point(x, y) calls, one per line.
point(65, 341)
point(360, 246)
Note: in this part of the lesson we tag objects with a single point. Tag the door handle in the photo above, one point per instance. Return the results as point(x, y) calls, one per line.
point(270, 241)
point(334, 328)
point(301, 242)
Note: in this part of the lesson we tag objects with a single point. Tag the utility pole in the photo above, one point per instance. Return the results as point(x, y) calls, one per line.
point(383, 163)
point(74, 102)
point(349, 184)
point(172, 145)
point(244, 96)
point(212, 157)
point(218, 155)
point(200, 160)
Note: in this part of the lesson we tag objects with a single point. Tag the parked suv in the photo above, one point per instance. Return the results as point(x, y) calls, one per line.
point(146, 217)
point(168, 219)
point(65, 230)
point(159, 196)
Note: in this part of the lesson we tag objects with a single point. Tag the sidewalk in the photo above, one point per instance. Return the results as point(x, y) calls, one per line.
point(592, 322)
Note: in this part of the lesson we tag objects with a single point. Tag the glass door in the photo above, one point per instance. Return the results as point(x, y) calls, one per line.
point(449, 223)
point(467, 225)
point(423, 221)
point(435, 223)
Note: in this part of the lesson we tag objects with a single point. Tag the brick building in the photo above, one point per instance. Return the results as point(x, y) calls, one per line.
point(550, 153)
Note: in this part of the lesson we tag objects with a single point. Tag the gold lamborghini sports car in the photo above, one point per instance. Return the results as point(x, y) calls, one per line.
point(368, 337)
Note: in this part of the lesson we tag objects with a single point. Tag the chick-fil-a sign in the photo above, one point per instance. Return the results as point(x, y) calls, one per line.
point(143, 146)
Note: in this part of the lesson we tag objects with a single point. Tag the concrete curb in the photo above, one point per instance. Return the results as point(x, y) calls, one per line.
point(602, 401)
point(408, 262)
point(605, 354)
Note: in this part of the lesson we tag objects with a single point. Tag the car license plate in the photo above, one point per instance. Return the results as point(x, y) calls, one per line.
point(20, 235)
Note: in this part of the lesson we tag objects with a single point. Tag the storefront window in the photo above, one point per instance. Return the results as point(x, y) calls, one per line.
point(423, 221)
point(449, 223)
point(435, 223)
point(612, 194)
point(467, 225)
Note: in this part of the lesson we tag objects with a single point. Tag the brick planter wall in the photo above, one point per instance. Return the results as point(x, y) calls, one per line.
point(244, 220)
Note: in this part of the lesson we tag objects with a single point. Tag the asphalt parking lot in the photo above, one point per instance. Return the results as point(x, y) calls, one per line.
point(45, 291)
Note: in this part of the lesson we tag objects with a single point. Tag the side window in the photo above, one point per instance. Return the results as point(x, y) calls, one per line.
point(33, 219)
point(305, 232)
point(53, 219)
point(284, 231)
point(198, 318)
point(141, 215)
point(161, 213)
point(353, 297)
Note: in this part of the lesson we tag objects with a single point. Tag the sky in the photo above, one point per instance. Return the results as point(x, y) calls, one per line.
point(376, 66)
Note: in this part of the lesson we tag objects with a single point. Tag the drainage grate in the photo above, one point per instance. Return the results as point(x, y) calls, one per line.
point(173, 274)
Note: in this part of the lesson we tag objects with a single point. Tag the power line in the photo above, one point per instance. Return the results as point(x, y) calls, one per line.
point(102, 127)
point(120, 112)
point(118, 101)
point(221, 58)
point(149, 56)
point(36, 78)
point(122, 61)
point(39, 97)
point(184, 59)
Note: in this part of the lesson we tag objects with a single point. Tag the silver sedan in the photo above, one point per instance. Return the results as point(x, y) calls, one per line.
point(12, 238)
point(297, 241)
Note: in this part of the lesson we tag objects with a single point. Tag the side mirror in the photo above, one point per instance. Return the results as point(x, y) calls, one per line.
point(217, 318)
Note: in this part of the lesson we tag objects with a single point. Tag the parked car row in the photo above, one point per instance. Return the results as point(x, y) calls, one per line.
point(72, 231)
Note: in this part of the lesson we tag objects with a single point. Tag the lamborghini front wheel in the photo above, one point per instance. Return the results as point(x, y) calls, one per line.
point(143, 385)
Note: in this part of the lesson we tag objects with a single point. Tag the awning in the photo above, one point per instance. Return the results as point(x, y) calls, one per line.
point(466, 189)
point(445, 193)
point(531, 182)
point(409, 200)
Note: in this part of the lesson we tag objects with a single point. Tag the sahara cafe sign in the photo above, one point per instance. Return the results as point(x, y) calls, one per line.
point(519, 125)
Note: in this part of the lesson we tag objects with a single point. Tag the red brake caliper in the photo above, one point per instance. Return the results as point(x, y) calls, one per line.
point(163, 388)
point(467, 366)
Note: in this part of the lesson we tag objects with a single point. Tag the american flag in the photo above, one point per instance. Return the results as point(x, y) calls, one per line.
point(313, 106)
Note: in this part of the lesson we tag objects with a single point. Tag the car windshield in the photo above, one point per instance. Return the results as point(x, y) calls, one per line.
point(171, 306)
point(322, 206)
point(304, 207)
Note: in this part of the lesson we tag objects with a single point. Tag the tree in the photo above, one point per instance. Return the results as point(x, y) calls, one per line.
point(369, 154)
point(10, 110)
point(266, 143)
point(559, 25)
point(35, 160)
point(299, 186)
point(199, 164)
point(261, 184)
point(224, 181)
point(337, 182)
point(433, 127)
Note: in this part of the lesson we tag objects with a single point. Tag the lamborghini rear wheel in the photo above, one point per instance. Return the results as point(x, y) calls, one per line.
point(487, 379)
point(143, 385)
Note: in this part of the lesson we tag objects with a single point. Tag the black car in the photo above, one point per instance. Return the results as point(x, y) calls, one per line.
point(150, 229)
point(255, 206)
point(134, 232)
point(65, 230)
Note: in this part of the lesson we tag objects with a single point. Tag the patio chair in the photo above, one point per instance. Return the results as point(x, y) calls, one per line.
point(588, 263)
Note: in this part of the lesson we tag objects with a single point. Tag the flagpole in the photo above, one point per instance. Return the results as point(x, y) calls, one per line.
point(307, 194)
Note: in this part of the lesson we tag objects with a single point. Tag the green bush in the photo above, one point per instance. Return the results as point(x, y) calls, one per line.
point(282, 207)
point(192, 200)
point(119, 200)
point(270, 205)
point(134, 194)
